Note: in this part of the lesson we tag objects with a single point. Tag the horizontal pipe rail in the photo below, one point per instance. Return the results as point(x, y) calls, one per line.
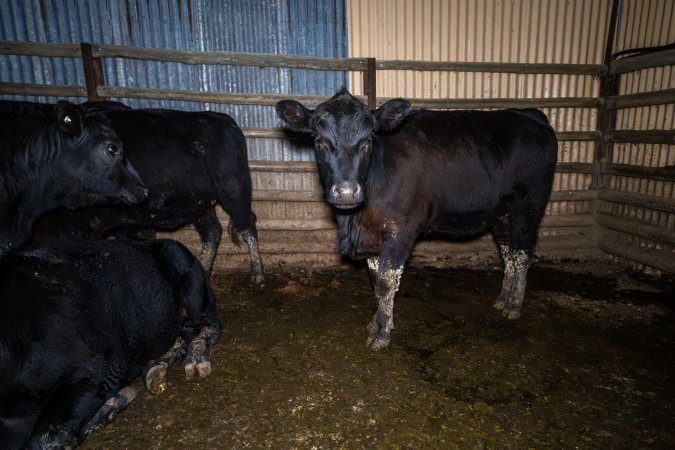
point(653, 98)
point(648, 61)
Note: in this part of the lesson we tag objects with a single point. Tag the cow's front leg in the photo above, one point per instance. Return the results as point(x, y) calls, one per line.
point(197, 356)
point(386, 281)
point(109, 410)
point(156, 370)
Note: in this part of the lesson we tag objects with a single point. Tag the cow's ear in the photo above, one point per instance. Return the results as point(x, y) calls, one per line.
point(390, 115)
point(69, 118)
point(295, 115)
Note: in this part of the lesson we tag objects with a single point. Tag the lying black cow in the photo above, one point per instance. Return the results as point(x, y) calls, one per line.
point(190, 162)
point(395, 174)
point(78, 323)
point(57, 155)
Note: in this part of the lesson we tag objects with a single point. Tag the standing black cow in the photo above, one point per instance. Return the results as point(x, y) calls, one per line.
point(190, 162)
point(53, 156)
point(395, 174)
point(78, 323)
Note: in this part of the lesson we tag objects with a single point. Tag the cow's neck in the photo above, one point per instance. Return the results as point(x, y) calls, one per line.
point(17, 222)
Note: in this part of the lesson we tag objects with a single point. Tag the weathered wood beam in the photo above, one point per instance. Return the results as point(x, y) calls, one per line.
point(636, 228)
point(46, 90)
point(494, 67)
point(212, 97)
point(643, 136)
point(485, 103)
point(618, 246)
point(230, 58)
point(278, 133)
point(666, 173)
point(40, 49)
point(640, 200)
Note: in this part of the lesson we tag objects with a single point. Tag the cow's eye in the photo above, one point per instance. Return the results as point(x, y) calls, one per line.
point(113, 150)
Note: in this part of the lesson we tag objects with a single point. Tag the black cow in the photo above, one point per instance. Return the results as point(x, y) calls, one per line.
point(395, 174)
point(57, 155)
point(79, 323)
point(190, 162)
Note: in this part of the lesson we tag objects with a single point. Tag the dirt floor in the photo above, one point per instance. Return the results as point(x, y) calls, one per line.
point(590, 364)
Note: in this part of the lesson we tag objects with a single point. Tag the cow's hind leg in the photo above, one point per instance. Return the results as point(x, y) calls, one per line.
point(242, 223)
point(154, 374)
point(507, 281)
point(516, 264)
point(210, 230)
point(516, 234)
point(386, 281)
point(197, 356)
point(250, 236)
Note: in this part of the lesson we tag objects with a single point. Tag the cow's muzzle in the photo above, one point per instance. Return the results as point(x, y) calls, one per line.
point(134, 194)
point(345, 195)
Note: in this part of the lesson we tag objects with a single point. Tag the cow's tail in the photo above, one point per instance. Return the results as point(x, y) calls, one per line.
point(234, 232)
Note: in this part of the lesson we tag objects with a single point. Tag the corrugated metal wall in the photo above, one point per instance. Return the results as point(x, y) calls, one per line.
point(646, 23)
point(298, 27)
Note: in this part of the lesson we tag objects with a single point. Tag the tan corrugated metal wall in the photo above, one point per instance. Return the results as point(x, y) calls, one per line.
point(523, 31)
point(296, 225)
point(645, 23)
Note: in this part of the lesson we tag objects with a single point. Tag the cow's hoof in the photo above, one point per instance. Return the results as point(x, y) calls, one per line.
point(511, 314)
point(155, 378)
point(195, 370)
point(257, 278)
point(378, 341)
point(499, 305)
point(204, 369)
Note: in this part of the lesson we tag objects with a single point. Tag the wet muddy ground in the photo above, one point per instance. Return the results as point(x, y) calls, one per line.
point(590, 364)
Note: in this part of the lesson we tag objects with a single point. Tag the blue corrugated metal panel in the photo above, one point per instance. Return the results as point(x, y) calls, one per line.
point(296, 27)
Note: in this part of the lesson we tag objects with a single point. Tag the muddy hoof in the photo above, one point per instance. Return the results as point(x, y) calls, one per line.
point(257, 278)
point(375, 343)
point(155, 378)
point(204, 369)
point(511, 314)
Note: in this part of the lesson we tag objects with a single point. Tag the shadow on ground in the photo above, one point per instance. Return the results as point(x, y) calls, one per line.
point(589, 364)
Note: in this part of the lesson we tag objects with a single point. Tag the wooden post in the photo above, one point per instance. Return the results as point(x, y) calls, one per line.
point(93, 72)
point(370, 84)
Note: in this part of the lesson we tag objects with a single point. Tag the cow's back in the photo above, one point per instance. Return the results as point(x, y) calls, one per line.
point(103, 297)
point(171, 148)
point(466, 160)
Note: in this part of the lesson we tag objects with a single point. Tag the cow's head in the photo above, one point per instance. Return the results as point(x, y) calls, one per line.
point(90, 166)
point(343, 129)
